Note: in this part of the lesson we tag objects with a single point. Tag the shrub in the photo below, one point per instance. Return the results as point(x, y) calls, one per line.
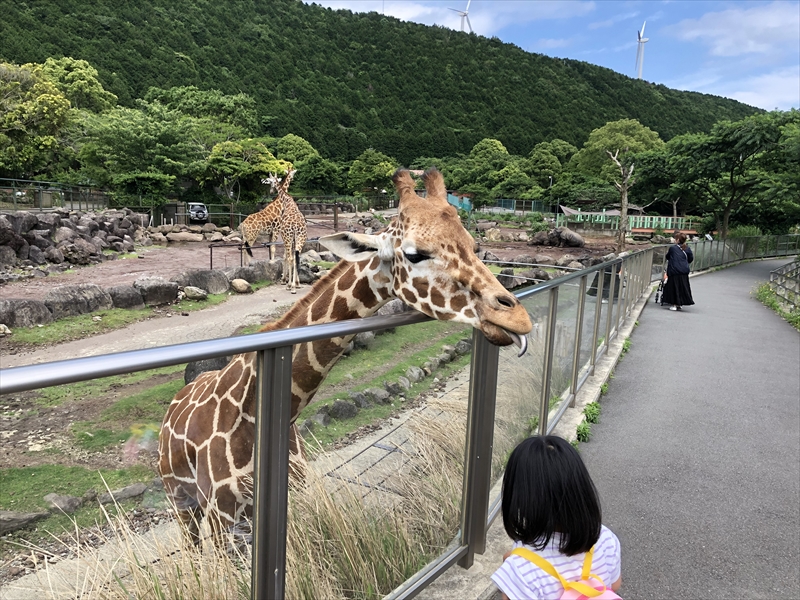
point(741, 231)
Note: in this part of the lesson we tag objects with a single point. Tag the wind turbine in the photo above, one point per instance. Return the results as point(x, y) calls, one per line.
point(640, 50)
point(464, 16)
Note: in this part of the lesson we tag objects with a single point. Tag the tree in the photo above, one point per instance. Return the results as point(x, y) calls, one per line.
point(294, 149)
point(623, 184)
point(32, 114)
point(317, 175)
point(371, 171)
point(232, 164)
point(625, 135)
point(237, 109)
point(78, 81)
point(729, 167)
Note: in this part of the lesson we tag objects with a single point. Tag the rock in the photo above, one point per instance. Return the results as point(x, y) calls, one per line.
point(65, 504)
point(11, 520)
point(64, 234)
point(4, 330)
point(213, 281)
point(79, 252)
point(195, 293)
point(126, 493)
point(326, 256)
point(36, 256)
point(8, 256)
point(360, 400)
point(195, 368)
point(609, 257)
point(575, 265)
point(274, 269)
point(489, 257)
point(72, 300)
point(404, 383)
point(306, 429)
point(184, 236)
point(378, 396)
point(249, 274)
point(343, 410)
point(156, 291)
point(321, 418)
point(157, 237)
point(363, 340)
point(565, 260)
point(24, 313)
point(415, 374)
point(261, 270)
point(312, 256)
point(241, 286)
point(508, 281)
point(537, 274)
point(125, 296)
point(463, 347)
point(22, 221)
point(394, 388)
point(53, 255)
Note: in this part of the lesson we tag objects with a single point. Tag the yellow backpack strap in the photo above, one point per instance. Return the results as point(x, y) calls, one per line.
point(548, 568)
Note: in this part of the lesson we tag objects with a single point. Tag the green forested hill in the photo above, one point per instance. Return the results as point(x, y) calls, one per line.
point(346, 82)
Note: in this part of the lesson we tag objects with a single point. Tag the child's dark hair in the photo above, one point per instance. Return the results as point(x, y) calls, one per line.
point(547, 489)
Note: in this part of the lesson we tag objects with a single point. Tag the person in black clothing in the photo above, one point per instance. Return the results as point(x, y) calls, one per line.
point(677, 292)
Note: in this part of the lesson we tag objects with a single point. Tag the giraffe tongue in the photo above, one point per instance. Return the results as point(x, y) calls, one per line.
point(521, 341)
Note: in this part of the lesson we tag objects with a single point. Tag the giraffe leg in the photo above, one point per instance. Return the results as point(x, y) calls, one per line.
point(189, 519)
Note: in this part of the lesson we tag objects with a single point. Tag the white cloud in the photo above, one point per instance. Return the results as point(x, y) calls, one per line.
point(487, 17)
point(612, 20)
point(769, 28)
point(779, 89)
point(553, 43)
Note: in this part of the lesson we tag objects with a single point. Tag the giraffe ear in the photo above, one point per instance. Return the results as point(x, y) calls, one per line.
point(356, 246)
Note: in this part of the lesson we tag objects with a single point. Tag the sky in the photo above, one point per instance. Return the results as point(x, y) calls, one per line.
point(746, 50)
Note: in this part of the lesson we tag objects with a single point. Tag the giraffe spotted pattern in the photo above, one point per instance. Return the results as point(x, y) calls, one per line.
point(425, 257)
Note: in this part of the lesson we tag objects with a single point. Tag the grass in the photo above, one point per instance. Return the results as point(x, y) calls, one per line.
point(604, 389)
point(73, 328)
point(767, 296)
point(592, 412)
point(584, 431)
point(137, 417)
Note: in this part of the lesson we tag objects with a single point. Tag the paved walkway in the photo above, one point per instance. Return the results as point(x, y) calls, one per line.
point(697, 456)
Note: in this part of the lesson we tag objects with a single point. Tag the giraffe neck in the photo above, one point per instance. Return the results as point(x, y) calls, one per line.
point(351, 290)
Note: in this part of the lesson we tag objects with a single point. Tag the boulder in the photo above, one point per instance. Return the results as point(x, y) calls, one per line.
point(545, 259)
point(249, 274)
point(540, 238)
point(49, 221)
point(64, 504)
point(241, 286)
point(8, 256)
point(36, 256)
point(64, 234)
point(156, 291)
point(184, 236)
point(213, 281)
point(195, 293)
point(131, 491)
point(378, 396)
point(125, 296)
point(195, 368)
point(360, 400)
point(415, 374)
point(575, 264)
point(72, 300)
point(22, 221)
point(535, 274)
point(508, 281)
point(79, 252)
point(54, 255)
point(565, 260)
point(363, 340)
point(343, 410)
point(24, 313)
point(12, 520)
point(463, 347)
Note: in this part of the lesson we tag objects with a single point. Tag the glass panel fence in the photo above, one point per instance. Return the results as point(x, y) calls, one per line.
point(563, 346)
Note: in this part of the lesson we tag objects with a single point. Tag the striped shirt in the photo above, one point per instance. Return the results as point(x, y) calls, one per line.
point(520, 579)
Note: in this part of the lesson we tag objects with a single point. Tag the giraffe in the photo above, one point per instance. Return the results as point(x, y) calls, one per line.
point(424, 257)
point(293, 231)
point(265, 221)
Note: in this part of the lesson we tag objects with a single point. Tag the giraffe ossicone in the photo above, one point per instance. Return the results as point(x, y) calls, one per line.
point(424, 257)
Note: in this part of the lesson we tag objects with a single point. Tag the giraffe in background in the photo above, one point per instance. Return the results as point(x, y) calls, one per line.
point(266, 221)
point(425, 257)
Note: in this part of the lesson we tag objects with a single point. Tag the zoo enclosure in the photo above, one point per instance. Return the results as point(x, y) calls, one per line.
point(576, 317)
point(23, 194)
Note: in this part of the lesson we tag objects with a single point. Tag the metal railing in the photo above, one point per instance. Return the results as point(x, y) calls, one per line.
point(785, 282)
point(718, 253)
point(613, 288)
point(24, 194)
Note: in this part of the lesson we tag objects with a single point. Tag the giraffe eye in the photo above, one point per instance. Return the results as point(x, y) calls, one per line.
point(416, 257)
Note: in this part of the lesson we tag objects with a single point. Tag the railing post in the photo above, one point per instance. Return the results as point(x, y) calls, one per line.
point(549, 342)
point(601, 276)
point(576, 351)
point(479, 445)
point(611, 289)
point(271, 473)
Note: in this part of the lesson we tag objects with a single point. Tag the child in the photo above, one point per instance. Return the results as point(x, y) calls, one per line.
point(550, 507)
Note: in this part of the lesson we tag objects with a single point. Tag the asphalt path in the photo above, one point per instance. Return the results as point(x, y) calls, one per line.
point(697, 455)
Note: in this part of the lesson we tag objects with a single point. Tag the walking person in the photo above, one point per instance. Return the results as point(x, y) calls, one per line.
point(552, 512)
point(677, 292)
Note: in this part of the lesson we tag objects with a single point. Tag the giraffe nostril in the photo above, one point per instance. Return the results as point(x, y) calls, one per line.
point(507, 301)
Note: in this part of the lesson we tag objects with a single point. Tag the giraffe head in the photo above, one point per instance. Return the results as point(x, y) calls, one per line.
point(274, 182)
point(426, 258)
